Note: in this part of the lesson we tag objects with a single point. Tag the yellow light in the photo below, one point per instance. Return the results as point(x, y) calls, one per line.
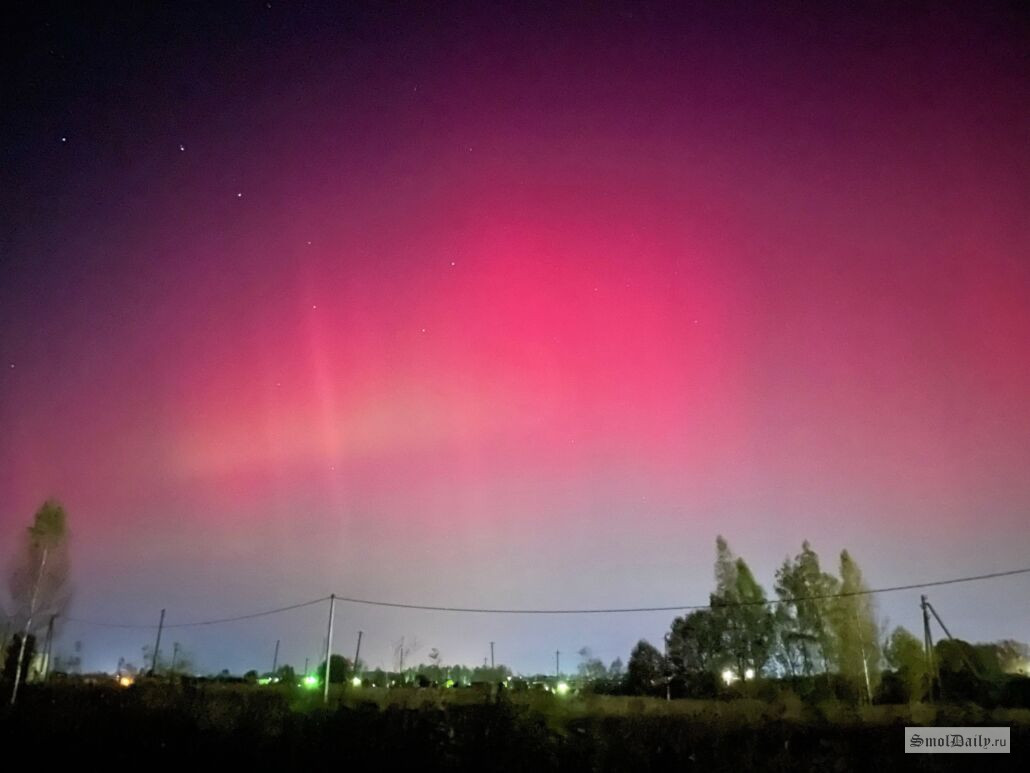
point(749, 674)
point(728, 676)
point(562, 688)
point(125, 681)
point(356, 681)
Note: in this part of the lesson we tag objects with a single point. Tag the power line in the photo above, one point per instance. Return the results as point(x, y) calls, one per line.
point(683, 607)
point(196, 623)
point(592, 611)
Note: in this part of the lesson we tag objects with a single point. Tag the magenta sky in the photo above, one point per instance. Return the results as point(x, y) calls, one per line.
point(515, 309)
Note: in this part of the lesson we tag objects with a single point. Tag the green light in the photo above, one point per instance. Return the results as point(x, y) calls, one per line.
point(356, 681)
point(562, 688)
point(311, 682)
point(265, 680)
point(449, 683)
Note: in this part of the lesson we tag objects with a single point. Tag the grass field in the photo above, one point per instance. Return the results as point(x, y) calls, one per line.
point(369, 728)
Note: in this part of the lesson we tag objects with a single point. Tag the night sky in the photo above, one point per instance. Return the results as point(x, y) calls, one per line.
point(512, 306)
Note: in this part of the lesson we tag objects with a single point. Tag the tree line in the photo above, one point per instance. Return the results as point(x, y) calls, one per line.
point(817, 627)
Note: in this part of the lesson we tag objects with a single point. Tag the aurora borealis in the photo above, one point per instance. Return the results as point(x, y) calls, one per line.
point(509, 305)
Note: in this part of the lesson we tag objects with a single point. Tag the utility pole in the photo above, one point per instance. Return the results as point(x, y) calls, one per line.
point(931, 668)
point(329, 647)
point(157, 644)
point(175, 657)
point(402, 659)
point(357, 654)
point(938, 619)
point(557, 663)
point(305, 666)
point(491, 654)
point(275, 658)
point(965, 659)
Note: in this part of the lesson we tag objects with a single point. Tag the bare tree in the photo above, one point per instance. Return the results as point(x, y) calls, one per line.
point(402, 650)
point(435, 658)
point(40, 576)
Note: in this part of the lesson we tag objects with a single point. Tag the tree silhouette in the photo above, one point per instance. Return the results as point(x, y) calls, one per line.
point(40, 576)
point(696, 644)
point(340, 669)
point(853, 620)
point(745, 620)
point(11, 656)
point(904, 654)
point(646, 668)
point(805, 641)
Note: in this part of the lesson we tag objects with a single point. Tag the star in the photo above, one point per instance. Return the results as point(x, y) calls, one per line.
point(12, 365)
point(182, 148)
point(423, 330)
point(64, 139)
point(314, 306)
point(239, 195)
point(452, 262)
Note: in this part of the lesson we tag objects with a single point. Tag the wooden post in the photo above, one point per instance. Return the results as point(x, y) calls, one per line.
point(329, 648)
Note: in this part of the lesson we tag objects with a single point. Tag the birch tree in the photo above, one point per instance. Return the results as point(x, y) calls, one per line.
point(38, 583)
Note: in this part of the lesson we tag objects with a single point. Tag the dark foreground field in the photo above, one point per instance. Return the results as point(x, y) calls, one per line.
point(459, 730)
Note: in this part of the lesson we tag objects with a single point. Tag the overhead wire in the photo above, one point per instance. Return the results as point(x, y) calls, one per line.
point(567, 611)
